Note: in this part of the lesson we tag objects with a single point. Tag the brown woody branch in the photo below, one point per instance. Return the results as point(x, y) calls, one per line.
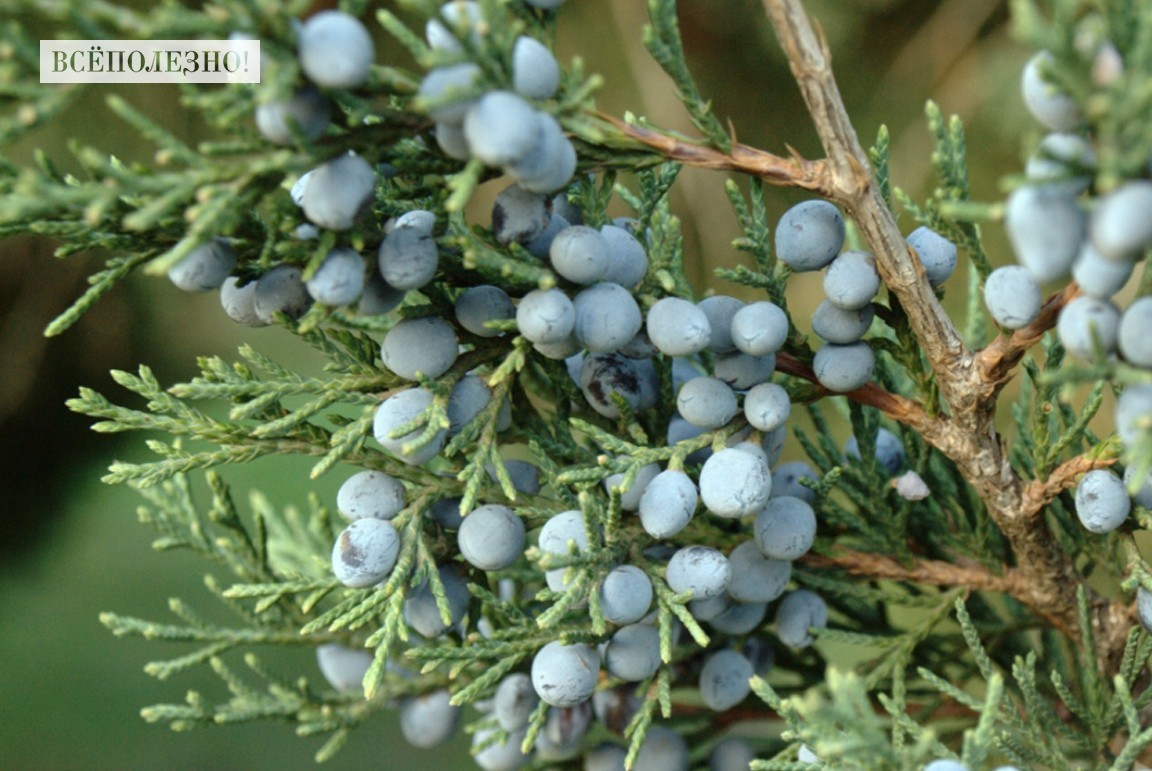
point(968, 436)
point(1043, 576)
point(854, 189)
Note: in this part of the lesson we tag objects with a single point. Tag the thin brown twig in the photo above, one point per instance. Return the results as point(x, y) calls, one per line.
point(1040, 492)
point(935, 572)
point(996, 361)
point(938, 573)
point(899, 408)
point(794, 171)
point(946, 708)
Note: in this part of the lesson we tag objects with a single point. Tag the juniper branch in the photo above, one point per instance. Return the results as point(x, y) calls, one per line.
point(969, 436)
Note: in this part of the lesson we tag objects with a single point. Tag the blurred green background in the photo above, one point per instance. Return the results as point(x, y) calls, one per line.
point(70, 547)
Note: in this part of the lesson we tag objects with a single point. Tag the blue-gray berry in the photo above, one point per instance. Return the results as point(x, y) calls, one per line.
point(1142, 496)
point(630, 498)
point(700, 569)
point(565, 675)
point(1012, 296)
point(663, 750)
point(741, 371)
point(365, 552)
point(447, 92)
point(759, 328)
point(889, 450)
point(1099, 276)
point(720, 310)
point(514, 701)
point(707, 402)
point(496, 756)
point(786, 480)
point(1087, 326)
point(204, 268)
point(809, 235)
point(281, 290)
point(1135, 333)
point(421, 611)
point(239, 302)
point(836, 325)
point(1046, 227)
point(668, 503)
point(344, 668)
point(625, 595)
point(725, 680)
point(379, 297)
point(852, 280)
point(1121, 228)
point(732, 754)
point(491, 537)
point(603, 375)
point(767, 406)
point(340, 278)
point(399, 410)
point(1056, 110)
point(1134, 413)
point(1102, 502)
point(936, 252)
point(479, 305)
point(580, 254)
point(550, 163)
point(756, 578)
point(629, 263)
point(607, 317)
point(559, 535)
point(339, 192)
point(306, 113)
point(428, 720)
point(842, 368)
point(535, 73)
point(501, 128)
point(798, 611)
point(785, 528)
point(678, 327)
point(1144, 608)
point(735, 481)
point(519, 215)
point(633, 652)
point(370, 494)
point(335, 50)
point(458, 17)
point(546, 316)
point(408, 257)
point(422, 346)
